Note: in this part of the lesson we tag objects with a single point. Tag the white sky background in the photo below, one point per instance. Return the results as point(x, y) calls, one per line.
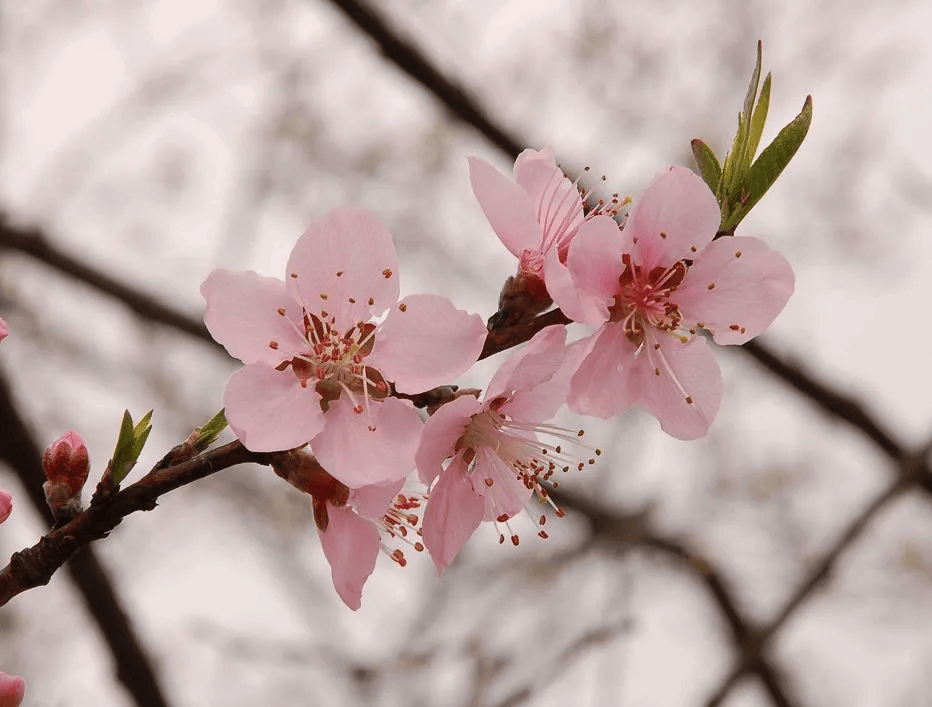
point(163, 139)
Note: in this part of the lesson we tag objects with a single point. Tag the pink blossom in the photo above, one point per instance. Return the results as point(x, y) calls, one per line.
point(649, 289)
point(352, 522)
point(4, 329)
point(497, 462)
point(12, 690)
point(317, 368)
point(6, 505)
point(538, 212)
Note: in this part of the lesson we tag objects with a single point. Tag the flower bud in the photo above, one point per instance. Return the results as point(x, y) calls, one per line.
point(4, 329)
point(6, 505)
point(12, 690)
point(66, 466)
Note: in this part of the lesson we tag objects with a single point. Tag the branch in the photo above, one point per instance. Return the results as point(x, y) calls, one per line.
point(20, 450)
point(625, 531)
point(35, 566)
point(409, 58)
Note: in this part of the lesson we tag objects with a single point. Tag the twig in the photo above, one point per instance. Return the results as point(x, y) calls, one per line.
point(35, 566)
point(19, 449)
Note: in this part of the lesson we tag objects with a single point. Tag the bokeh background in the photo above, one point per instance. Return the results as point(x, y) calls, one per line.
point(156, 140)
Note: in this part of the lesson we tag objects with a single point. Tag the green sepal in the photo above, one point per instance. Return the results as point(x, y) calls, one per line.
point(707, 162)
point(772, 161)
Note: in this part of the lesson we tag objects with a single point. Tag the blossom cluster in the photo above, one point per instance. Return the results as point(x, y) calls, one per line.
point(334, 361)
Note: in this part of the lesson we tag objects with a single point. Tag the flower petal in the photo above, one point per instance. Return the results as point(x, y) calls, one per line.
point(373, 500)
point(269, 410)
point(752, 284)
point(531, 365)
point(677, 213)
point(425, 341)
point(594, 264)
point(498, 484)
point(243, 315)
point(684, 416)
point(357, 455)
point(453, 513)
point(4, 329)
point(351, 546)
point(440, 433)
point(341, 263)
point(603, 385)
point(558, 205)
point(508, 208)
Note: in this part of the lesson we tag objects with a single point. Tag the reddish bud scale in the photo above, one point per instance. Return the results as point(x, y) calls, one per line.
point(66, 463)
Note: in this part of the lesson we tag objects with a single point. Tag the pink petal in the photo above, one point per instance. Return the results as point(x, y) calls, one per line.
point(6, 505)
point(425, 341)
point(358, 456)
point(508, 208)
point(4, 329)
point(594, 264)
point(351, 546)
point(373, 500)
point(699, 376)
point(603, 385)
point(559, 209)
point(506, 495)
point(440, 433)
point(542, 401)
point(752, 285)
point(530, 365)
point(12, 690)
point(342, 261)
point(243, 315)
point(453, 513)
point(269, 410)
point(677, 213)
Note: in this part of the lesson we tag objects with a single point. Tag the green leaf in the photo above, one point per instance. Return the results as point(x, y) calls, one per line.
point(755, 80)
point(203, 437)
point(772, 161)
point(758, 119)
point(129, 446)
point(707, 163)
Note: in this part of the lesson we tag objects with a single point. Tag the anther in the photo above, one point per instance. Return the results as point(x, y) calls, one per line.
point(689, 400)
point(693, 248)
point(281, 310)
point(386, 273)
point(273, 344)
point(323, 295)
point(711, 286)
point(339, 273)
point(663, 235)
point(402, 307)
point(735, 327)
point(352, 300)
point(371, 301)
point(656, 371)
point(514, 540)
point(502, 518)
point(543, 534)
point(737, 253)
point(294, 276)
point(561, 513)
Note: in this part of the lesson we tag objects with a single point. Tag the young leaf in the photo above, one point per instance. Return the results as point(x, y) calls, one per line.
point(772, 161)
point(759, 118)
point(707, 162)
point(128, 447)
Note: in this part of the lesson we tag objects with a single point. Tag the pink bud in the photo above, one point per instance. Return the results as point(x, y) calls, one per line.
point(66, 463)
point(12, 690)
point(6, 505)
point(4, 329)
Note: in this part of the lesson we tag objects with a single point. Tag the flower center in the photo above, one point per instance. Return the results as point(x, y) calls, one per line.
point(644, 299)
point(520, 460)
point(401, 523)
point(334, 362)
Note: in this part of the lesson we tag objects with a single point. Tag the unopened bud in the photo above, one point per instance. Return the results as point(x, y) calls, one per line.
point(4, 329)
point(6, 505)
point(12, 690)
point(66, 467)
